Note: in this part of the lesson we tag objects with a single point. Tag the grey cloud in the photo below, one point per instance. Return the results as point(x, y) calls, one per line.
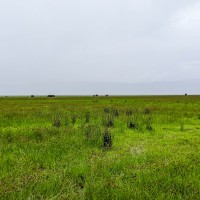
point(52, 42)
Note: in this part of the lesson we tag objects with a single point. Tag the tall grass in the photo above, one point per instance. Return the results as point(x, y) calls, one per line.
point(100, 148)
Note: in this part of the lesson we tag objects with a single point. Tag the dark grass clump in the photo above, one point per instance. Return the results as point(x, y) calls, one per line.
point(131, 125)
point(80, 181)
point(37, 135)
point(149, 126)
point(182, 126)
point(73, 119)
point(108, 121)
point(92, 134)
point(56, 121)
point(115, 112)
point(147, 111)
point(67, 121)
point(87, 117)
point(129, 112)
point(9, 137)
point(107, 139)
point(106, 110)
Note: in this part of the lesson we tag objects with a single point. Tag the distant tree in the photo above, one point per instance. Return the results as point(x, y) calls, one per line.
point(106, 95)
point(50, 96)
point(32, 96)
point(185, 94)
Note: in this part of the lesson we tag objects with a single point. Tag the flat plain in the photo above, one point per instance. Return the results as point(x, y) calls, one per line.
point(115, 147)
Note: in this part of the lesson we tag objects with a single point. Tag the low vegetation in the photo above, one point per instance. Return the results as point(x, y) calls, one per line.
point(100, 148)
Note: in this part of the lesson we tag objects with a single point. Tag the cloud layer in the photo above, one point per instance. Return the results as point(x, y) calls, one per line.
point(53, 42)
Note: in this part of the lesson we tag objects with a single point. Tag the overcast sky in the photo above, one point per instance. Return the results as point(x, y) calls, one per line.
point(57, 42)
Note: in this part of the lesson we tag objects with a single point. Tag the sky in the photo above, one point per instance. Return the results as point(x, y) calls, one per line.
point(60, 46)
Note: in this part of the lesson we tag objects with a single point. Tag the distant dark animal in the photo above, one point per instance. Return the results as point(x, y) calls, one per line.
point(106, 95)
point(97, 95)
point(32, 96)
point(50, 96)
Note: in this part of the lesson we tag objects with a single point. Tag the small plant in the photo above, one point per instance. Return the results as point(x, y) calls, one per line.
point(56, 121)
point(66, 121)
point(129, 112)
point(108, 121)
point(9, 137)
point(107, 139)
point(131, 125)
point(73, 119)
point(115, 112)
point(149, 126)
point(182, 126)
point(147, 111)
point(87, 117)
point(38, 134)
point(81, 181)
point(106, 110)
point(92, 134)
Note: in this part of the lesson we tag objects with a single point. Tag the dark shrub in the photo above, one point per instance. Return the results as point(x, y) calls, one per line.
point(56, 121)
point(115, 112)
point(107, 139)
point(108, 121)
point(149, 126)
point(129, 112)
point(73, 119)
point(9, 137)
point(131, 125)
point(87, 117)
point(38, 134)
point(147, 111)
point(93, 134)
point(106, 110)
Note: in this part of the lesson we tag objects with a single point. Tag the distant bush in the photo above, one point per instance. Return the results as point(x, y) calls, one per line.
point(51, 95)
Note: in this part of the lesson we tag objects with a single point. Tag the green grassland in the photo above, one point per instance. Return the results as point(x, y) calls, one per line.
point(145, 147)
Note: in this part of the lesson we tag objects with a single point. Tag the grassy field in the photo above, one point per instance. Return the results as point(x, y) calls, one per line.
point(100, 147)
